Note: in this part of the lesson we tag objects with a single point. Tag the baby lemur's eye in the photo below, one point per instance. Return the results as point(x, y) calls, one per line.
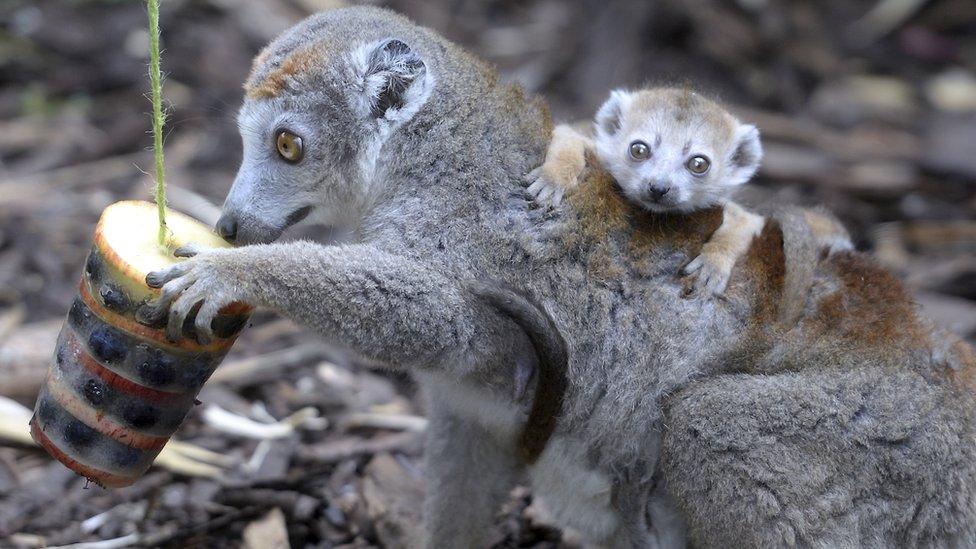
point(289, 146)
point(639, 150)
point(698, 165)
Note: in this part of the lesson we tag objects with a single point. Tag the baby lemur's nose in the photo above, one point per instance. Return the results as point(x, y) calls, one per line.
point(227, 227)
point(656, 193)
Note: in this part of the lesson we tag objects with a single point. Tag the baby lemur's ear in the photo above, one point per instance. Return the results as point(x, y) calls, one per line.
point(611, 113)
point(391, 70)
point(745, 155)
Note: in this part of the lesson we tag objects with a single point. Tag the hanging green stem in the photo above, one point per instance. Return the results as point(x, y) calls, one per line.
point(155, 80)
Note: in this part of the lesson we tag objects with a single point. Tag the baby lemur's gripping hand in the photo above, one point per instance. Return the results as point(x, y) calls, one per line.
point(565, 162)
point(709, 272)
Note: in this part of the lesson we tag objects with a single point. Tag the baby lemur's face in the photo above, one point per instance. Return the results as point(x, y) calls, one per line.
point(673, 150)
point(313, 123)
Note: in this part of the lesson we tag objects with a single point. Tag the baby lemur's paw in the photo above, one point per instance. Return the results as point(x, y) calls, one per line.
point(543, 188)
point(210, 278)
point(707, 275)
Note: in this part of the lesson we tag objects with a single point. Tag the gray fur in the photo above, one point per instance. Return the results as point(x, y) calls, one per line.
point(808, 439)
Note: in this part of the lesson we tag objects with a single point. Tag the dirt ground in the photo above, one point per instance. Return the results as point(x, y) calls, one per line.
point(867, 107)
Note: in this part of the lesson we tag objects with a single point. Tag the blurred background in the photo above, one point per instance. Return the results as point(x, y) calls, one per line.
point(866, 106)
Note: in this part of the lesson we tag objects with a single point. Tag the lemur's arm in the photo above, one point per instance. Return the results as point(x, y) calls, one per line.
point(565, 161)
point(710, 271)
point(380, 305)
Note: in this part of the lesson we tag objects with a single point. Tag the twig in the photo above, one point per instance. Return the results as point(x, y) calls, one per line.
point(393, 422)
point(115, 543)
point(336, 451)
point(884, 17)
point(28, 187)
point(266, 367)
point(230, 423)
point(10, 319)
point(222, 521)
point(13, 422)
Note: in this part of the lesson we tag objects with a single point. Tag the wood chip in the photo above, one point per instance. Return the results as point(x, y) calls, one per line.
point(391, 493)
point(267, 532)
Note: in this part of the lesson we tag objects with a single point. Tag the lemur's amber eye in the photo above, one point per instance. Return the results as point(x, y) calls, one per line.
point(698, 165)
point(639, 150)
point(289, 146)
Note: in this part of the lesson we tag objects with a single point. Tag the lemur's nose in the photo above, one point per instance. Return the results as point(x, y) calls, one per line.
point(656, 193)
point(227, 227)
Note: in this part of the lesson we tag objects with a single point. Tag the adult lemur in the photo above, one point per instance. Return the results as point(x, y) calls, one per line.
point(712, 419)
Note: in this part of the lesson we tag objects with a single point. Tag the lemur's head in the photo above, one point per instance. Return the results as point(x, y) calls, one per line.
point(673, 150)
point(321, 101)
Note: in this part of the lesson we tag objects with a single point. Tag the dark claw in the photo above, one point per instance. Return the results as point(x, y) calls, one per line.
point(155, 279)
point(150, 315)
point(185, 251)
point(174, 329)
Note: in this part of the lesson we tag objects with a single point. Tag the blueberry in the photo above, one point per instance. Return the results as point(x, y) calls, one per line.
point(126, 457)
point(94, 265)
point(47, 411)
point(78, 315)
point(114, 298)
point(194, 375)
point(94, 392)
point(79, 435)
point(157, 369)
point(107, 344)
point(140, 416)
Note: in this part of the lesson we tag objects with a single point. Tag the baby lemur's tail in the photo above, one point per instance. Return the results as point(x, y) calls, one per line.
point(552, 357)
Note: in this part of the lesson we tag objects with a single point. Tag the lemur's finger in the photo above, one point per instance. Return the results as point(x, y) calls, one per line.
point(694, 266)
point(156, 279)
point(719, 281)
point(557, 197)
point(546, 194)
point(189, 249)
point(532, 175)
point(537, 187)
point(171, 290)
point(204, 320)
point(178, 312)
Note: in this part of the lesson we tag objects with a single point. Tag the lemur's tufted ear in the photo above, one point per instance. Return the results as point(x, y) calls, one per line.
point(609, 116)
point(745, 155)
point(391, 69)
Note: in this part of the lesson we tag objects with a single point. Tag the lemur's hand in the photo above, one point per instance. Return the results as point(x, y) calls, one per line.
point(210, 278)
point(544, 188)
point(708, 274)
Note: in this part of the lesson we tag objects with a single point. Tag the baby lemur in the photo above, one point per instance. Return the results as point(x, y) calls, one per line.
point(672, 150)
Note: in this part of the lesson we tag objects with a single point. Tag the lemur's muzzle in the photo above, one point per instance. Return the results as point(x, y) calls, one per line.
point(244, 229)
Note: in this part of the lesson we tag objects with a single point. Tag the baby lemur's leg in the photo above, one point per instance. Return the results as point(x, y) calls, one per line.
point(469, 475)
point(710, 271)
point(565, 161)
point(828, 231)
point(833, 458)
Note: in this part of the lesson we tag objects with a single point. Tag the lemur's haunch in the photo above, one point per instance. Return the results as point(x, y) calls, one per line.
point(672, 150)
point(813, 406)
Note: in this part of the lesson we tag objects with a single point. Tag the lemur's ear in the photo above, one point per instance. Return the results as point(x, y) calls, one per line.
point(610, 114)
point(746, 153)
point(391, 69)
